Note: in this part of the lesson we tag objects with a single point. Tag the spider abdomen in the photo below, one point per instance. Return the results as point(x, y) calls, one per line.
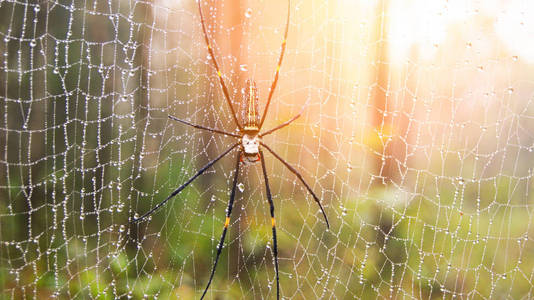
point(250, 108)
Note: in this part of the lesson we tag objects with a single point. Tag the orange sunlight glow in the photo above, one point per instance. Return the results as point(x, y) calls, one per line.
point(427, 23)
point(515, 26)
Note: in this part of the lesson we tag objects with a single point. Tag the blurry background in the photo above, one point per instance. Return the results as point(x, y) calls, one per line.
point(417, 134)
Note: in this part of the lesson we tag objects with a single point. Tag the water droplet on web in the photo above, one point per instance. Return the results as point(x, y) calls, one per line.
point(33, 43)
point(515, 58)
point(510, 90)
point(241, 187)
point(248, 13)
point(37, 8)
point(243, 68)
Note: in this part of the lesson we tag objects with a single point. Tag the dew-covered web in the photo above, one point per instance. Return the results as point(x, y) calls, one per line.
point(417, 133)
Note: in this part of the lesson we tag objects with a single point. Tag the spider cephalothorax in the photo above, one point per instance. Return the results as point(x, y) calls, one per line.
point(249, 143)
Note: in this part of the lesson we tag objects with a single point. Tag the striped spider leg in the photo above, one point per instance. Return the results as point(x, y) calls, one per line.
point(249, 142)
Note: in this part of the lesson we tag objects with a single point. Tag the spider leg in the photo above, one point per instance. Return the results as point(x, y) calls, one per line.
point(219, 74)
point(301, 179)
point(275, 81)
point(273, 224)
point(178, 190)
point(202, 127)
point(226, 223)
point(280, 126)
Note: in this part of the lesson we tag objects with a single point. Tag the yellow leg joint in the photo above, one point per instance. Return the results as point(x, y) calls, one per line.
point(227, 222)
point(219, 73)
point(277, 68)
point(273, 223)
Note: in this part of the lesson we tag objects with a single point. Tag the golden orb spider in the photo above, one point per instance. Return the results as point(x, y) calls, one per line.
point(249, 140)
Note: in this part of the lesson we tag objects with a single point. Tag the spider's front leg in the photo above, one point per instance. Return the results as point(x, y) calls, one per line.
point(273, 223)
point(183, 186)
point(299, 176)
point(226, 223)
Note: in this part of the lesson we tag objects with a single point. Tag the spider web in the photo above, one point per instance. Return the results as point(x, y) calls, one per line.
point(416, 133)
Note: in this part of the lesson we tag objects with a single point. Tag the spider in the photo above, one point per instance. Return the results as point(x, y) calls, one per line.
point(249, 142)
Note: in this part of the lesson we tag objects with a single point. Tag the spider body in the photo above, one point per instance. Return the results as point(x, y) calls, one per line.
point(250, 118)
point(250, 146)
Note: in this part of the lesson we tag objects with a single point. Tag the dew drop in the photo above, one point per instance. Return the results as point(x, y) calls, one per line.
point(37, 8)
point(33, 43)
point(241, 187)
point(515, 58)
point(248, 13)
point(243, 68)
point(510, 90)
